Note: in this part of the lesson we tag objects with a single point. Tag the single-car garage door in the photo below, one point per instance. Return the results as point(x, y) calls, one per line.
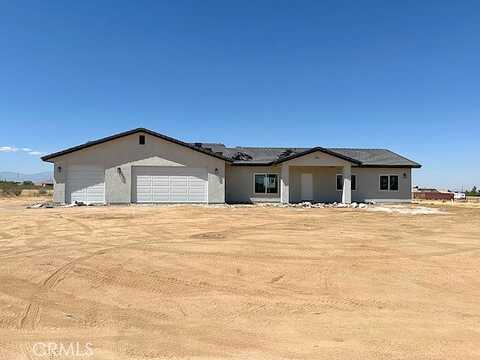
point(154, 184)
point(86, 184)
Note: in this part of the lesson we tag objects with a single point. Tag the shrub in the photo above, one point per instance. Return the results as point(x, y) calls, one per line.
point(12, 191)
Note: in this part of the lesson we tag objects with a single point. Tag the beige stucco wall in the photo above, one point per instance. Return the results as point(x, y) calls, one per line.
point(240, 184)
point(325, 186)
point(368, 187)
point(125, 153)
point(324, 183)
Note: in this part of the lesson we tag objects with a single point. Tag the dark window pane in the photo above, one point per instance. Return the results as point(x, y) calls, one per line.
point(339, 182)
point(141, 139)
point(394, 182)
point(354, 182)
point(272, 184)
point(260, 183)
point(383, 182)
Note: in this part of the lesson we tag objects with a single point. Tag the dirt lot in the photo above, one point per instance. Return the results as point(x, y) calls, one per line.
point(248, 283)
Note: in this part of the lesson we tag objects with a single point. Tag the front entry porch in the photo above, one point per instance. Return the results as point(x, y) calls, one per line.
point(316, 183)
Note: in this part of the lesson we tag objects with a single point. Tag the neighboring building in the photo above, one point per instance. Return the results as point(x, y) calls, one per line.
point(142, 166)
point(431, 194)
point(45, 183)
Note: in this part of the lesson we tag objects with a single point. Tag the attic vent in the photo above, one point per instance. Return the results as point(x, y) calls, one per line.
point(241, 156)
point(286, 153)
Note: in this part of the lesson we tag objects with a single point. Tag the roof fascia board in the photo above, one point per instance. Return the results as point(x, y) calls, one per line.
point(415, 166)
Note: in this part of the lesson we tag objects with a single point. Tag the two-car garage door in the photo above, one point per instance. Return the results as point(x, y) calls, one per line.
point(155, 184)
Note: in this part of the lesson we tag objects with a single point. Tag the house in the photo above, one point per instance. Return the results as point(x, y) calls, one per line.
point(143, 166)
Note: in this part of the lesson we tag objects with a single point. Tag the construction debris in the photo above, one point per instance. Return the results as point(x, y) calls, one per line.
point(47, 205)
point(408, 210)
point(388, 208)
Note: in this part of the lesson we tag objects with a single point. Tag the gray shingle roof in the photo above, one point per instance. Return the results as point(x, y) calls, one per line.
point(262, 155)
point(267, 155)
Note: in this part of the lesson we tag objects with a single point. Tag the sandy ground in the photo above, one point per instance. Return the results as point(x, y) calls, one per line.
point(244, 283)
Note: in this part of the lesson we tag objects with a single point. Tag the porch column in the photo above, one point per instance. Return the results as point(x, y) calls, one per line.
point(284, 184)
point(347, 184)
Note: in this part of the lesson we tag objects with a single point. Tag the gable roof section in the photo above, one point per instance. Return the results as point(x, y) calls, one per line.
point(130, 132)
point(315, 149)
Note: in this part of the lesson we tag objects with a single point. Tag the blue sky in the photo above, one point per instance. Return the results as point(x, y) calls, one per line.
point(389, 74)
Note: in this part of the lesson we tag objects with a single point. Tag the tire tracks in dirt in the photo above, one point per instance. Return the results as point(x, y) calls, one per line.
point(31, 315)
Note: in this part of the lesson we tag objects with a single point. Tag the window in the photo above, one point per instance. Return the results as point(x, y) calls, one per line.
point(266, 183)
point(141, 139)
point(393, 182)
point(384, 182)
point(260, 183)
point(340, 182)
point(389, 182)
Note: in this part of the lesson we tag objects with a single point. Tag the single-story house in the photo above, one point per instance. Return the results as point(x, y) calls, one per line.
point(143, 166)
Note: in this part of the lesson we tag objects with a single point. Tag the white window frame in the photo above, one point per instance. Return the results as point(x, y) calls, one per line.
point(265, 174)
point(356, 182)
point(388, 175)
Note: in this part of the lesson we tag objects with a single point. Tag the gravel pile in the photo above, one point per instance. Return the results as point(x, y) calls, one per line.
point(308, 204)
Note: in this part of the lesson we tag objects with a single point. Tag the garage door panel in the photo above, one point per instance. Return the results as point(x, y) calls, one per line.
point(178, 198)
point(144, 197)
point(86, 184)
point(160, 198)
point(171, 184)
point(144, 180)
point(194, 198)
point(160, 181)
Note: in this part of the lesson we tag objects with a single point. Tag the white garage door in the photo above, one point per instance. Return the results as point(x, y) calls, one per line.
point(154, 184)
point(86, 184)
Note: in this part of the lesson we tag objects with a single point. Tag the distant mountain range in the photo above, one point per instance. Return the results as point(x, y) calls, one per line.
point(13, 176)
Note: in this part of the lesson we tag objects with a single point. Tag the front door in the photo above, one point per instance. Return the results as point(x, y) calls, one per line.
point(306, 186)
